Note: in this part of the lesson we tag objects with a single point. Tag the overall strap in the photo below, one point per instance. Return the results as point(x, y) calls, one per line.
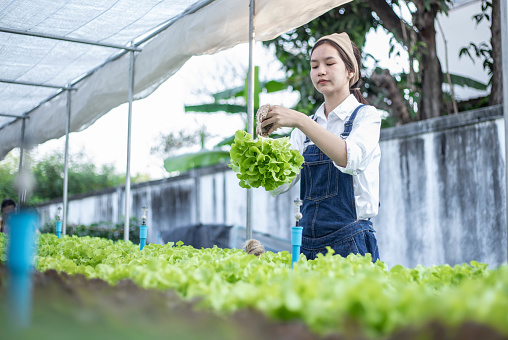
point(348, 126)
point(307, 140)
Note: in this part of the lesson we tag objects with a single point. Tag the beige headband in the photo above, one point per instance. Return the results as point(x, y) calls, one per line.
point(342, 39)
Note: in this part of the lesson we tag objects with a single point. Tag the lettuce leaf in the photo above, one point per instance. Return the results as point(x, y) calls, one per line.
point(264, 162)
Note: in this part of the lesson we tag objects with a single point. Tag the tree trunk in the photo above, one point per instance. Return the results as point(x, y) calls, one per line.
point(431, 102)
point(386, 81)
point(430, 73)
point(496, 92)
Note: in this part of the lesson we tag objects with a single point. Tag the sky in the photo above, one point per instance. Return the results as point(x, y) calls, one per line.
point(105, 142)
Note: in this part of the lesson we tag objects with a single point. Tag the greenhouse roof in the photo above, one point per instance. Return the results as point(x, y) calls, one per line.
point(51, 47)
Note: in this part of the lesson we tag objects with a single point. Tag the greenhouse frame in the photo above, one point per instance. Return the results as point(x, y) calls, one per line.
point(65, 64)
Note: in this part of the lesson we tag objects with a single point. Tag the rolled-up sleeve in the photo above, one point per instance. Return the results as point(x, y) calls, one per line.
point(363, 141)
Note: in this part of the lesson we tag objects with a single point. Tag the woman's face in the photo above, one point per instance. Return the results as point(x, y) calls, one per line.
point(328, 72)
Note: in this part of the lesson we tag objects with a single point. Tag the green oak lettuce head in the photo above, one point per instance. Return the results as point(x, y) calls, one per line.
point(264, 162)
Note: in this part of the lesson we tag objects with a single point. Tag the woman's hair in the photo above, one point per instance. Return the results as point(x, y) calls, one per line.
point(349, 65)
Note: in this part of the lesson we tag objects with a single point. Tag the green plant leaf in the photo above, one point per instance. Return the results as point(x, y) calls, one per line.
point(257, 88)
point(226, 141)
point(229, 93)
point(213, 108)
point(465, 81)
point(269, 86)
point(275, 85)
point(195, 160)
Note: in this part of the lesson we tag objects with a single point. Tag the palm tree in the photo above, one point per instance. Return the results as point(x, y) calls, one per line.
point(219, 153)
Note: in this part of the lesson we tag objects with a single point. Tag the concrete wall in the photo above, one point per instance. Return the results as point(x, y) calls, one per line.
point(442, 189)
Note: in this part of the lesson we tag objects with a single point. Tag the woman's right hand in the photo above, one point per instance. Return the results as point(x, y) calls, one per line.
point(281, 116)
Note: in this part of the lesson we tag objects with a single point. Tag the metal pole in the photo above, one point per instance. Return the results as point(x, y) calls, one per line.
point(75, 40)
point(250, 104)
point(13, 116)
point(20, 169)
point(66, 163)
point(128, 171)
point(28, 83)
point(504, 57)
point(250, 110)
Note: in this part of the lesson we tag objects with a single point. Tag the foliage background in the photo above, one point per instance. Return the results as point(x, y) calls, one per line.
point(48, 172)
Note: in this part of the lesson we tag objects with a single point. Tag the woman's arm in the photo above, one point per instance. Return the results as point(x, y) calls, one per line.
point(333, 146)
point(363, 141)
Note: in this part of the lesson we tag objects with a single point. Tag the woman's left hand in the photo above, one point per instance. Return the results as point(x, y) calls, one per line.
point(280, 117)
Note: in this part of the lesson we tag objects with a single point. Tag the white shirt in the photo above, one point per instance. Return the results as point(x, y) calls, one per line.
point(363, 152)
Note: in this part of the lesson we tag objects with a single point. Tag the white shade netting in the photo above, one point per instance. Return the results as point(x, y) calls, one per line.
point(197, 28)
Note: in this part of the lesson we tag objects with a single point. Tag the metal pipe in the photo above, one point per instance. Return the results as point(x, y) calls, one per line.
point(448, 77)
point(36, 107)
point(20, 169)
point(248, 228)
point(14, 116)
point(66, 163)
point(20, 266)
point(59, 223)
point(128, 171)
point(250, 99)
point(190, 10)
point(250, 109)
point(504, 57)
point(74, 82)
point(18, 82)
point(143, 229)
point(75, 40)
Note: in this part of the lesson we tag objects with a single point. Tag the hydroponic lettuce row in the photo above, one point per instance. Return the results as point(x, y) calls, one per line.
point(327, 294)
point(264, 162)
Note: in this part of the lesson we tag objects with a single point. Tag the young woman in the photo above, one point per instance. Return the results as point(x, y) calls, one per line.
point(340, 143)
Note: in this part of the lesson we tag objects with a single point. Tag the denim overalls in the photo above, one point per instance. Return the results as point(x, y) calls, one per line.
point(329, 210)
